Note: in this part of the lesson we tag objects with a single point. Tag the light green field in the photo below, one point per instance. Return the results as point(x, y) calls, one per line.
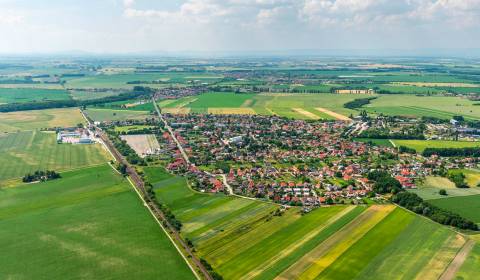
point(29, 151)
point(119, 81)
point(269, 104)
point(469, 269)
point(88, 95)
point(19, 95)
point(418, 106)
point(89, 224)
point(421, 145)
point(38, 119)
point(430, 187)
point(103, 115)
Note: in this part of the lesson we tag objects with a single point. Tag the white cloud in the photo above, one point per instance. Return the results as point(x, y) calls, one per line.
point(11, 17)
point(128, 3)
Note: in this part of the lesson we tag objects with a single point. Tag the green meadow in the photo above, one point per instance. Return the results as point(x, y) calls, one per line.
point(89, 224)
point(102, 115)
point(421, 145)
point(285, 105)
point(21, 95)
point(419, 106)
point(28, 151)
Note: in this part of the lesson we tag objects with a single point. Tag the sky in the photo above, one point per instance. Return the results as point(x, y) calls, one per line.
point(133, 26)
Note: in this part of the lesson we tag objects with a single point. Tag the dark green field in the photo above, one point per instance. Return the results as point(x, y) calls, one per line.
point(465, 206)
point(89, 224)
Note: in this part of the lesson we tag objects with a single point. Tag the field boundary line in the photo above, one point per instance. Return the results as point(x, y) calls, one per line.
point(162, 227)
point(393, 143)
point(287, 251)
point(457, 261)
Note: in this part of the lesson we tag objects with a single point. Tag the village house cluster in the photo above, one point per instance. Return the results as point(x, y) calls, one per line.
point(287, 161)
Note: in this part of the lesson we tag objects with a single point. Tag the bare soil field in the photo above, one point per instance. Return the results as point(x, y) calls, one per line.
point(144, 144)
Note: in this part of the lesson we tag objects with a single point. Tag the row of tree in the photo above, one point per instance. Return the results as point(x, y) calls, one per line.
point(416, 204)
point(452, 152)
point(358, 103)
point(40, 175)
point(384, 183)
point(124, 149)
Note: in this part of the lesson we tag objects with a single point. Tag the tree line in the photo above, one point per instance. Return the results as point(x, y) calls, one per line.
point(40, 175)
point(385, 183)
point(358, 103)
point(452, 152)
point(416, 204)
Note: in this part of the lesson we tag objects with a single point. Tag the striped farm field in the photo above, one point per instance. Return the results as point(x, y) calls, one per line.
point(89, 224)
point(28, 151)
point(242, 239)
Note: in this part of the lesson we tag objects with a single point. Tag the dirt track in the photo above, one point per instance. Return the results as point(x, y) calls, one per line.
point(333, 114)
point(457, 262)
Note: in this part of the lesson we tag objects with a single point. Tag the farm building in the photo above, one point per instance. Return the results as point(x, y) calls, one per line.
point(354, 91)
point(79, 136)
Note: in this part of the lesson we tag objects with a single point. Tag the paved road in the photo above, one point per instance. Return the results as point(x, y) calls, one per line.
point(170, 130)
point(139, 185)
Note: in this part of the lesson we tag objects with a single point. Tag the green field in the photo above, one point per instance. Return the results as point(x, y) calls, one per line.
point(29, 151)
point(283, 104)
point(377, 142)
point(21, 95)
point(418, 106)
point(269, 104)
point(465, 206)
point(89, 95)
point(89, 224)
point(39, 119)
point(421, 145)
point(120, 81)
point(469, 269)
point(102, 115)
point(242, 240)
point(430, 187)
